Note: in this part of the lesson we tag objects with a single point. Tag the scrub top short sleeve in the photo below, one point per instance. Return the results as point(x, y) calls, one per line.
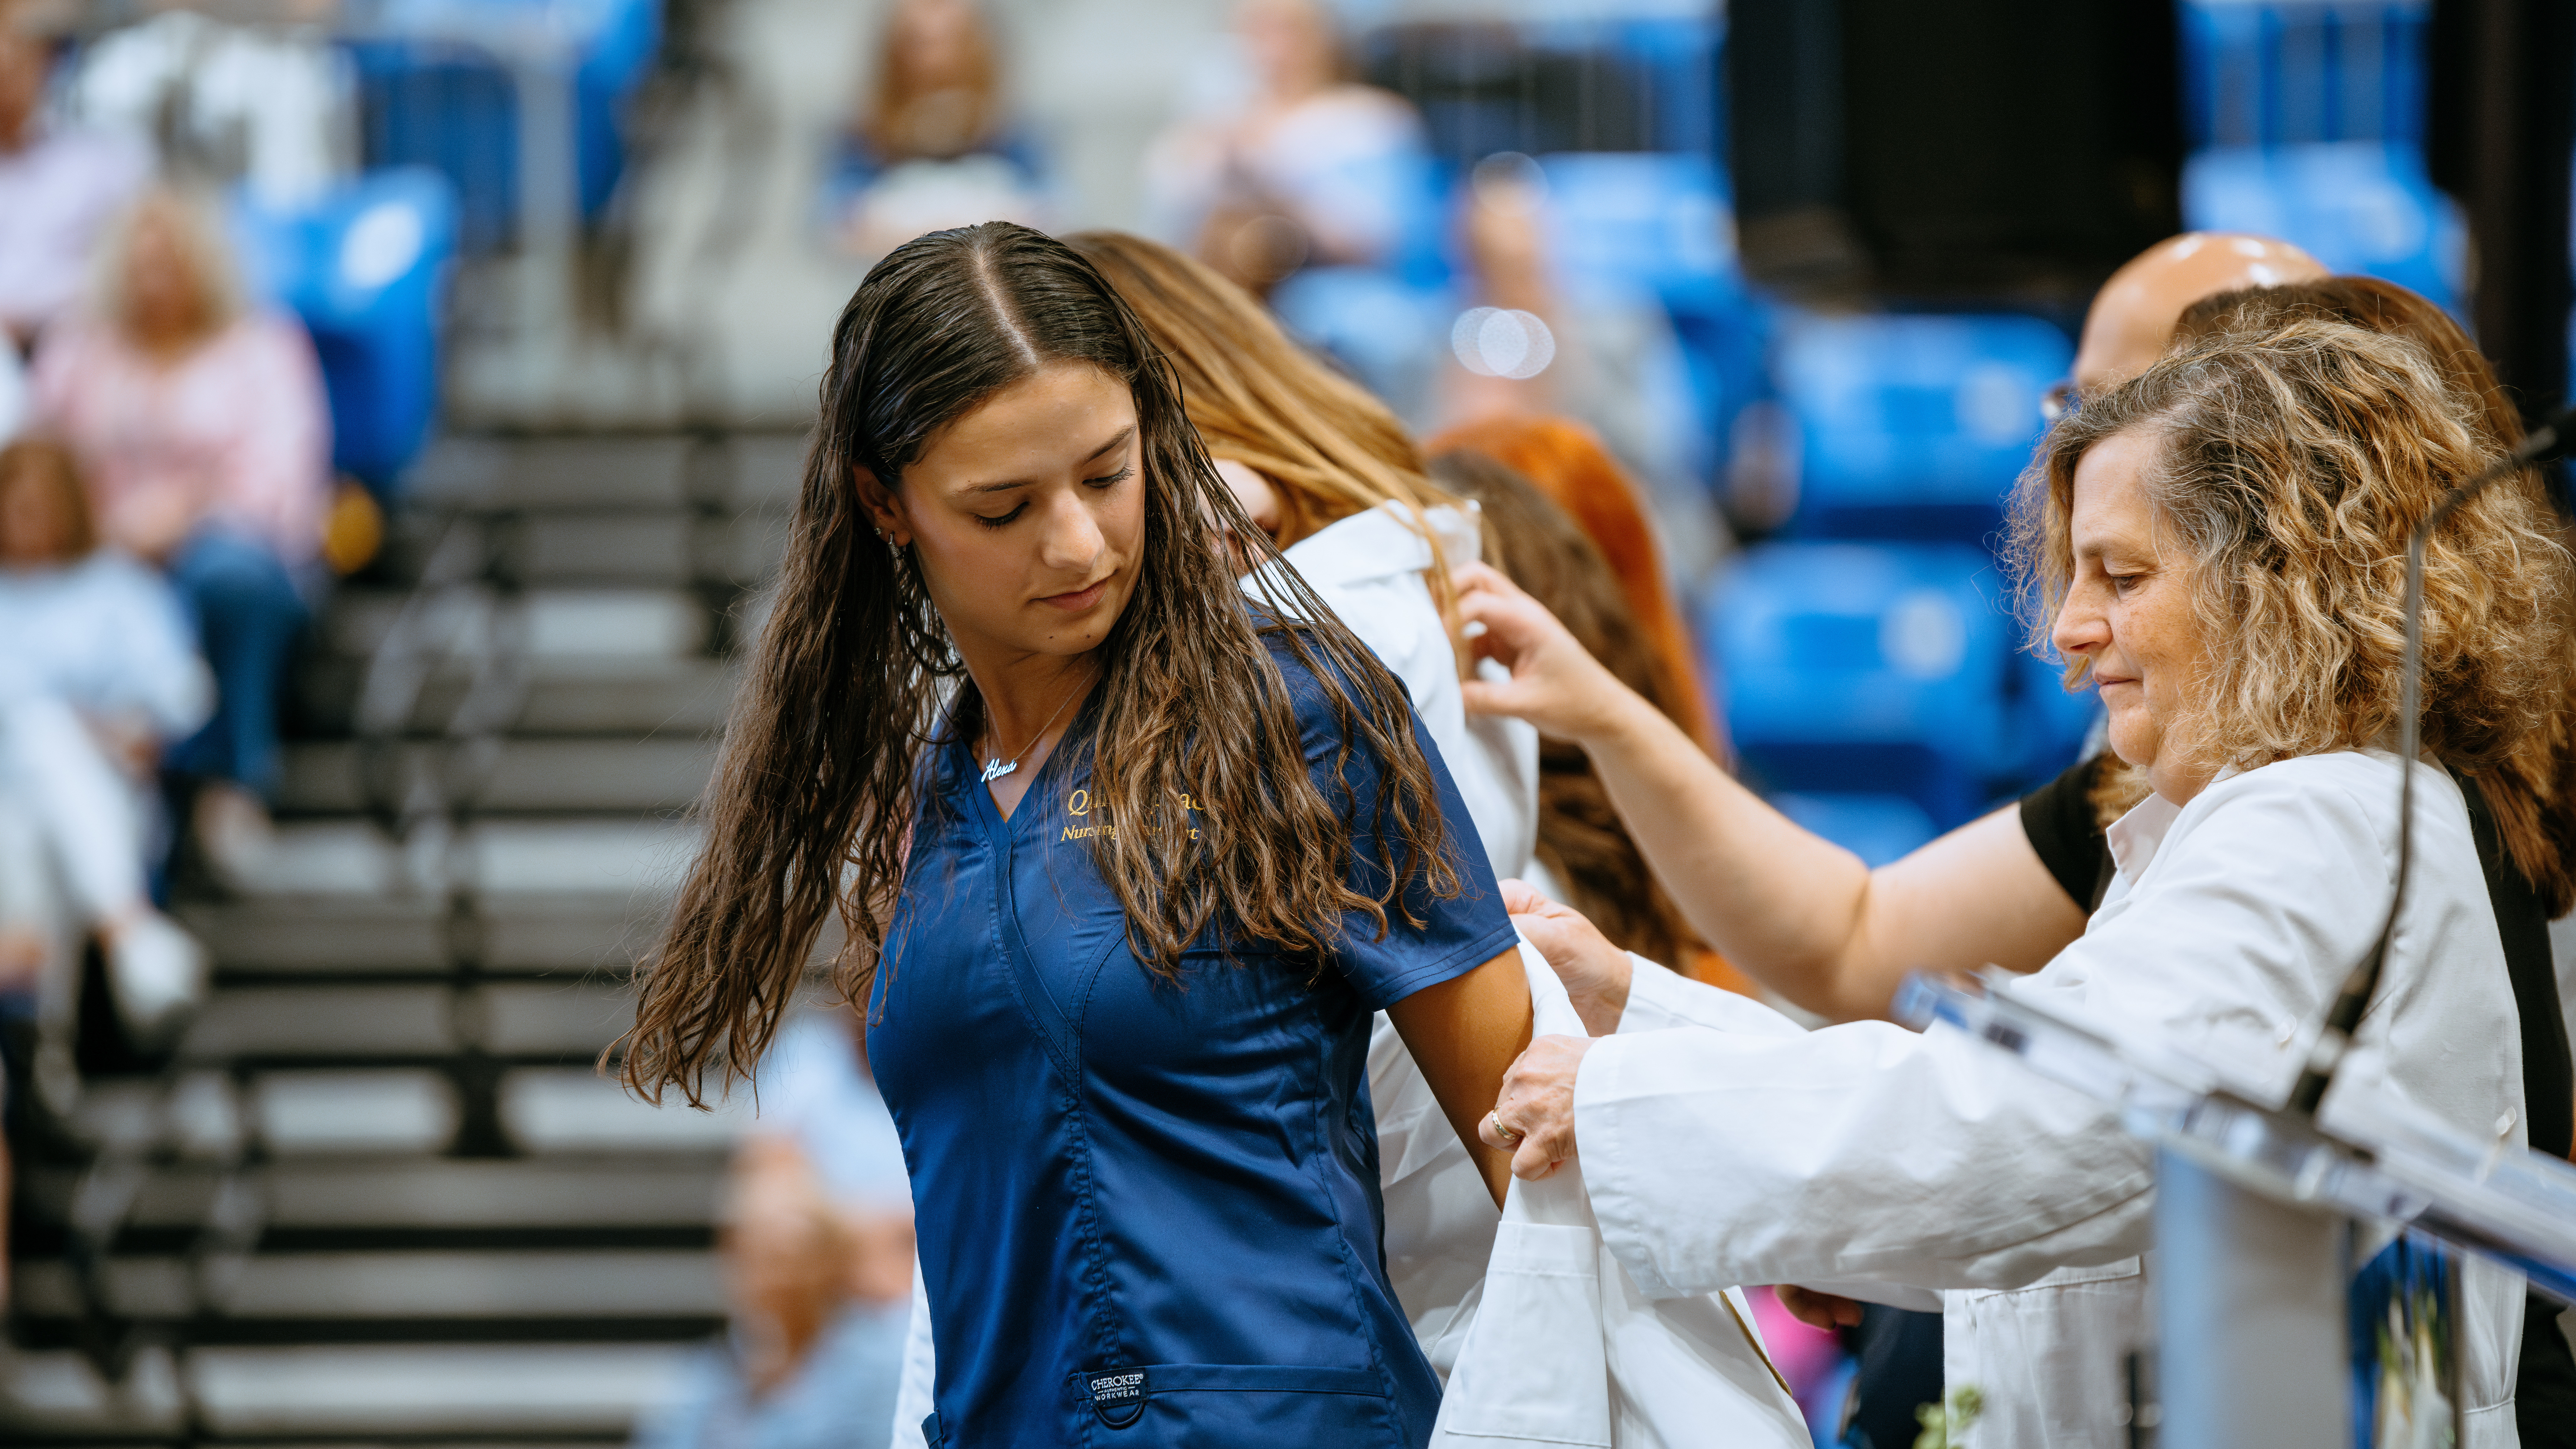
point(1453, 936)
point(1148, 1208)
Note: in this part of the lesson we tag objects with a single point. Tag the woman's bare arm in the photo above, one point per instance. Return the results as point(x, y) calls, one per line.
point(1464, 1033)
point(1799, 913)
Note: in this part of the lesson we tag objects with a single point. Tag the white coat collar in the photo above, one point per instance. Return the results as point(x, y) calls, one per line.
point(2137, 836)
point(1380, 543)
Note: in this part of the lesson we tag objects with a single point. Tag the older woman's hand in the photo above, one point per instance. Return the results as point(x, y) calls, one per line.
point(1595, 973)
point(1555, 684)
point(1534, 1118)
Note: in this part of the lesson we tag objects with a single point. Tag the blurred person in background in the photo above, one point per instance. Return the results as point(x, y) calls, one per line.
point(264, 100)
point(203, 429)
point(1308, 168)
point(818, 1098)
point(817, 1310)
point(2131, 322)
point(1568, 463)
point(97, 673)
point(60, 187)
point(934, 144)
point(1523, 346)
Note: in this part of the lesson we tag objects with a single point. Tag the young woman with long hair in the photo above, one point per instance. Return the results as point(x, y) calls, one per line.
point(1331, 481)
point(1125, 860)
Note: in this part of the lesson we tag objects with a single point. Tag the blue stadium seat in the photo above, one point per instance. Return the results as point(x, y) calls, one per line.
point(1877, 828)
point(2358, 206)
point(366, 268)
point(1867, 668)
point(430, 96)
point(1914, 426)
point(2049, 723)
point(2295, 73)
point(1649, 219)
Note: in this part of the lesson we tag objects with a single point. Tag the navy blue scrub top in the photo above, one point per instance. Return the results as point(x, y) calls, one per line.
point(1149, 1213)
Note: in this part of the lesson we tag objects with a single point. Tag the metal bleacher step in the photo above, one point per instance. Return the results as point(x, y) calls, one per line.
point(543, 1020)
point(670, 1285)
point(530, 775)
point(550, 623)
point(613, 856)
point(555, 1196)
point(558, 1105)
point(741, 471)
point(257, 941)
point(463, 1232)
point(583, 695)
point(491, 1395)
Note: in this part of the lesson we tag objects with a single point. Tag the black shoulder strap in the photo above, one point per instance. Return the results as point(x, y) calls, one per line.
point(2548, 1076)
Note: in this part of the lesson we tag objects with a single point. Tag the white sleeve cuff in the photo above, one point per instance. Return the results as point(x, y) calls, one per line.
point(1660, 998)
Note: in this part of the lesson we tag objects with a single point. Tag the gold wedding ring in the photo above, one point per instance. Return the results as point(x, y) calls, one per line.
point(1505, 1133)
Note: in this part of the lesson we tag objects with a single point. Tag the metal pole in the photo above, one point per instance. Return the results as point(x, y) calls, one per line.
point(2253, 1344)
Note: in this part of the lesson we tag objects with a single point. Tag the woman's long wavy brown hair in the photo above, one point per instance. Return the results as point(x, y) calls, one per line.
point(814, 798)
point(2291, 465)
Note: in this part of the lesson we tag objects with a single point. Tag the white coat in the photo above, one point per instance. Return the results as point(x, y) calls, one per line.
point(1866, 1154)
point(1562, 1349)
point(1440, 1222)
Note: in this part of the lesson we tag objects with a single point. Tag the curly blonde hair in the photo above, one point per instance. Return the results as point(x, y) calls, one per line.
point(2291, 465)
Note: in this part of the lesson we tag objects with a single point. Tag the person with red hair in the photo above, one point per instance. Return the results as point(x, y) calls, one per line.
point(1569, 463)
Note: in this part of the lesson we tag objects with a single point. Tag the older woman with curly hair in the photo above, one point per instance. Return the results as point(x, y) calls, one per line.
point(2220, 546)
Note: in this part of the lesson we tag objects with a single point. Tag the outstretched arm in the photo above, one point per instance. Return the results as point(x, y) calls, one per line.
point(1464, 1033)
point(1801, 914)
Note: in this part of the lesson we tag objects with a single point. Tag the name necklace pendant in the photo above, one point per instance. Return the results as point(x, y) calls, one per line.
point(996, 767)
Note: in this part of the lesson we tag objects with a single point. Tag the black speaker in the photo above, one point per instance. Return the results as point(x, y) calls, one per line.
point(2501, 118)
point(2004, 151)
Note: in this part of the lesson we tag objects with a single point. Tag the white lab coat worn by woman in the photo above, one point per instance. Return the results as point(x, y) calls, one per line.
point(1878, 1162)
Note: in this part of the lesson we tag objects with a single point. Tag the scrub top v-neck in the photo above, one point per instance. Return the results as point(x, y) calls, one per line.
point(1148, 1211)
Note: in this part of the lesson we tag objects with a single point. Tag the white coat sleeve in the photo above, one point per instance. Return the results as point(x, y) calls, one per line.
point(1867, 1151)
point(912, 1395)
point(1862, 1151)
point(1660, 998)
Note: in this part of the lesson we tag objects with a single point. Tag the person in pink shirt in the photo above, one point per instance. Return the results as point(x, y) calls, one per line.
point(59, 188)
point(203, 428)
